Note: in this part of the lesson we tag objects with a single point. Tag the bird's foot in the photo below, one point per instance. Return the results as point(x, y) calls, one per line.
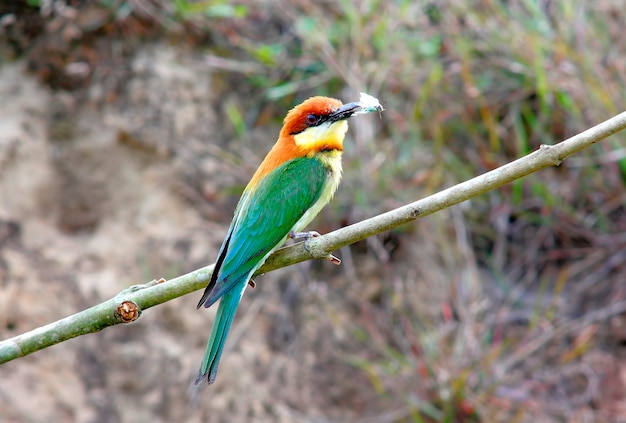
point(307, 237)
point(252, 283)
point(304, 235)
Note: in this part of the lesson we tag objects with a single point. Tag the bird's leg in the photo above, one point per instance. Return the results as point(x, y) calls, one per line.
point(307, 237)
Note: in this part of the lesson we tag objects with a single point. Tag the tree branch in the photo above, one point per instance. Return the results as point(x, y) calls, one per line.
point(128, 304)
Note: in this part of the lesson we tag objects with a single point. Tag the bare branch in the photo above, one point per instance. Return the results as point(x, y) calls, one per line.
point(127, 305)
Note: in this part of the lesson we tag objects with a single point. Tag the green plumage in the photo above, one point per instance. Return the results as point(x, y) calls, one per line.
point(265, 215)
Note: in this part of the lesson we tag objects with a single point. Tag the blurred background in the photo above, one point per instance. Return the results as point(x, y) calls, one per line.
point(128, 130)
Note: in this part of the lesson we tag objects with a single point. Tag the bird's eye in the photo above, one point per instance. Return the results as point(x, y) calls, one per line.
point(311, 119)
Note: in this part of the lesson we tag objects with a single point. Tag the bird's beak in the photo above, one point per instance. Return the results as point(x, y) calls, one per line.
point(345, 111)
point(366, 104)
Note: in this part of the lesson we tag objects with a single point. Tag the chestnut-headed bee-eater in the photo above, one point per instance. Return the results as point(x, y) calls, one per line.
point(297, 178)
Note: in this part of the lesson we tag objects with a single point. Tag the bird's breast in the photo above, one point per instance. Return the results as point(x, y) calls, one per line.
point(332, 161)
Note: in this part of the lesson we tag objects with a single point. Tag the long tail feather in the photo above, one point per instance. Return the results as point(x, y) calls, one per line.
point(219, 332)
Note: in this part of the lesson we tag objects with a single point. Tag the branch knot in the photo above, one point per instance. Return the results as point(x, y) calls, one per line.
point(127, 311)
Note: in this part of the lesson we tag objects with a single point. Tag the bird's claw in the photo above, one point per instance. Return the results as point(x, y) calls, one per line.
point(307, 237)
point(304, 235)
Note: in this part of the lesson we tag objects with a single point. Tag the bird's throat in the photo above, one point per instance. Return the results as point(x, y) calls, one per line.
point(326, 137)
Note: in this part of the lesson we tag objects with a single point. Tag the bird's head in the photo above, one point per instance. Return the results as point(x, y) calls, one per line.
point(319, 124)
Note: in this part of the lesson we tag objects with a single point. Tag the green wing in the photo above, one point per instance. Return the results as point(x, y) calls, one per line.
point(263, 219)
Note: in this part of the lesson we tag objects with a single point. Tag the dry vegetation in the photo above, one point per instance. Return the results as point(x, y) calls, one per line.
point(128, 129)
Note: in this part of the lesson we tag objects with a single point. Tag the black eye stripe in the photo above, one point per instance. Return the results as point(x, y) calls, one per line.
point(312, 120)
point(315, 120)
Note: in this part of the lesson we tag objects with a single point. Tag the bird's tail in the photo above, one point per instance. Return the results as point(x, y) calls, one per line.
point(219, 332)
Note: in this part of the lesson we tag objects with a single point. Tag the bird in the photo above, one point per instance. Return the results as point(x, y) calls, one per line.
point(297, 178)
